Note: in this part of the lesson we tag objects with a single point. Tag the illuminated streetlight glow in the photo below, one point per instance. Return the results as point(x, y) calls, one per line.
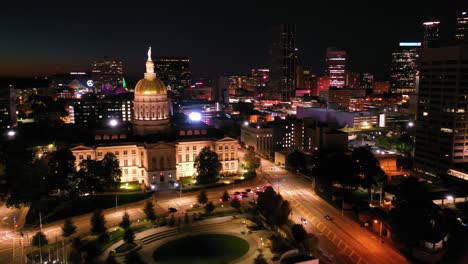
point(195, 116)
point(113, 123)
point(410, 124)
point(11, 133)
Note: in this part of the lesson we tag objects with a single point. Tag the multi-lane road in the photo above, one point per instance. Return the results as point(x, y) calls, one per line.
point(340, 238)
point(343, 240)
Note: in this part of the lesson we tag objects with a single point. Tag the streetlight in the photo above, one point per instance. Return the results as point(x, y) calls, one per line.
point(380, 229)
point(113, 123)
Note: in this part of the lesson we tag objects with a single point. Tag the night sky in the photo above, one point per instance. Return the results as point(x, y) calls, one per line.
point(222, 37)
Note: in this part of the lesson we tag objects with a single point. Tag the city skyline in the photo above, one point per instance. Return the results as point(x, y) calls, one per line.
point(52, 41)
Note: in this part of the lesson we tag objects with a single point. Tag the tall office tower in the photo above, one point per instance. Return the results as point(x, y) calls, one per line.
point(403, 68)
point(336, 61)
point(8, 115)
point(107, 74)
point(441, 123)
point(282, 81)
point(366, 81)
point(310, 78)
point(431, 34)
point(175, 73)
point(461, 28)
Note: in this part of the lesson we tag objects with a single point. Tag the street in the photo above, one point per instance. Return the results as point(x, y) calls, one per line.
point(343, 240)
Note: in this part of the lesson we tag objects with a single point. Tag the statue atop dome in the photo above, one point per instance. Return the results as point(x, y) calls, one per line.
point(149, 54)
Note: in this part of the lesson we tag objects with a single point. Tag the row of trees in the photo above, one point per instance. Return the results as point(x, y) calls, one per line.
point(361, 168)
point(26, 177)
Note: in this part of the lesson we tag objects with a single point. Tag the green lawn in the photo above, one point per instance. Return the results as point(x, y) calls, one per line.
point(202, 249)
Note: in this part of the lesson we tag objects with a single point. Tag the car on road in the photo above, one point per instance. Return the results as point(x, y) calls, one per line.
point(328, 217)
point(304, 221)
point(195, 205)
point(171, 210)
point(237, 193)
point(249, 190)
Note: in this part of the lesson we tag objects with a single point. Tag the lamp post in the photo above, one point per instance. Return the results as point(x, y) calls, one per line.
point(380, 228)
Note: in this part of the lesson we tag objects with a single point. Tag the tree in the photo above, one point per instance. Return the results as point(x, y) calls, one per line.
point(209, 207)
point(235, 203)
point(368, 168)
point(171, 221)
point(299, 233)
point(129, 235)
point(98, 223)
point(75, 254)
point(149, 211)
point(62, 167)
point(18, 184)
point(94, 176)
point(260, 259)
point(208, 166)
point(252, 162)
point(281, 214)
point(312, 244)
point(202, 198)
point(39, 240)
point(125, 224)
point(186, 218)
point(225, 196)
point(415, 216)
point(68, 228)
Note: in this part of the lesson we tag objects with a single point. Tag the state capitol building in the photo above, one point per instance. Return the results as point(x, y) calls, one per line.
point(159, 153)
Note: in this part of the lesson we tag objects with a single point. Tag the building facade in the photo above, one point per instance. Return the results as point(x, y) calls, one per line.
point(175, 73)
point(188, 150)
point(106, 74)
point(282, 79)
point(336, 67)
point(442, 121)
point(403, 68)
point(431, 34)
point(96, 110)
point(8, 113)
point(461, 28)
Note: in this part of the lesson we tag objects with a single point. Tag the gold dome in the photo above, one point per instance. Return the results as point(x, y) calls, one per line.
point(150, 87)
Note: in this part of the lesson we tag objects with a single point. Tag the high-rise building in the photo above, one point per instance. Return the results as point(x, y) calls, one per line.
point(366, 81)
point(8, 115)
point(352, 79)
point(107, 74)
point(282, 81)
point(97, 111)
point(431, 34)
point(336, 61)
point(403, 68)
point(175, 73)
point(461, 29)
point(441, 123)
point(323, 84)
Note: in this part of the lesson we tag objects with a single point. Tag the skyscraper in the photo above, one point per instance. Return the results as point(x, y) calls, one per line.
point(174, 72)
point(282, 81)
point(431, 34)
point(403, 68)
point(336, 61)
point(442, 126)
point(461, 28)
point(107, 74)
